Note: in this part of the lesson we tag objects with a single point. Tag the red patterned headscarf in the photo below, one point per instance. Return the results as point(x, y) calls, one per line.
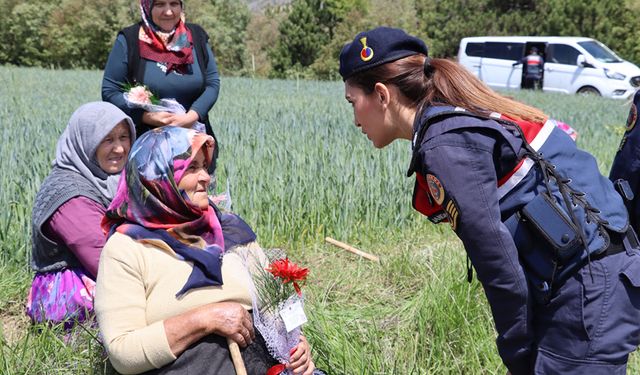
point(173, 49)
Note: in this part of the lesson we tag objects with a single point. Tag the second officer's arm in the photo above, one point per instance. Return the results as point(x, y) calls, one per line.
point(463, 162)
point(626, 164)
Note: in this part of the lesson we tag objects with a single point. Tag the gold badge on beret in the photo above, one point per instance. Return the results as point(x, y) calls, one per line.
point(366, 53)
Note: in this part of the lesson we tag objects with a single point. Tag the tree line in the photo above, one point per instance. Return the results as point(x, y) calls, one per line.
point(303, 38)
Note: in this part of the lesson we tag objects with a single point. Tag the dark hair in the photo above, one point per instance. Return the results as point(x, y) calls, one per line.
point(449, 83)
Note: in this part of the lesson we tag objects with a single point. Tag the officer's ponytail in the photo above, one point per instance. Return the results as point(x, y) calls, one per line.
point(453, 84)
point(427, 68)
point(442, 81)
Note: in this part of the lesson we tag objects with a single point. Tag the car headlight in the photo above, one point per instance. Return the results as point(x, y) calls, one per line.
point(614, 75)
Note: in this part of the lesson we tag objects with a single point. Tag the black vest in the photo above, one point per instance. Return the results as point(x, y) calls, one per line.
point(60, 186)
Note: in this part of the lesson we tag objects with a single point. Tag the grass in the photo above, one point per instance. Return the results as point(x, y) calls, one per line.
point(299, 171)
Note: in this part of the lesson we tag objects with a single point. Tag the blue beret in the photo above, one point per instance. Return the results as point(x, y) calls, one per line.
point(376, 47)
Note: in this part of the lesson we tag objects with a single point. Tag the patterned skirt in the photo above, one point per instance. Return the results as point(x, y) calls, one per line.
point(65, 297)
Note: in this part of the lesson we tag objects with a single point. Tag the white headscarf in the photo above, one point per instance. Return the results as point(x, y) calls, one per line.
point(77, 145)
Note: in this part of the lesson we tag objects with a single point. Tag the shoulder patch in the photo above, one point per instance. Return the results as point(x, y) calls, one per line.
point(633, 116)
point(622, 142)
point(435, 189)
point(452, 211)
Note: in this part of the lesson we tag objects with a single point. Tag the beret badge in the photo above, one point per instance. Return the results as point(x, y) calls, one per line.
point(366, 53)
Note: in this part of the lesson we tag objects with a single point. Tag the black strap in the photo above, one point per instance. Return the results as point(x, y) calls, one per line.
point(619, 242)
point(135, 70)
point(200, 39)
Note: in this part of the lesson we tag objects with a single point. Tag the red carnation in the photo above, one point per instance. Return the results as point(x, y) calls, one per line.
point(289, 272)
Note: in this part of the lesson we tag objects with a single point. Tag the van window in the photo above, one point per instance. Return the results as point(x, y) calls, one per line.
point(562, 54)
point(600, 51)
point(474, 49)
point(504, 51)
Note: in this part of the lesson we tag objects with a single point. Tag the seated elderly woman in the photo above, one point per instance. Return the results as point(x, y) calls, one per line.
point(68, 208)
point(169, 293)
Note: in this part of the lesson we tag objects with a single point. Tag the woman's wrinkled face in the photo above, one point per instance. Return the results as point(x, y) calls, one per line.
point(195, 181)
point(113, 150)
point(368, 115)
point(166, 14)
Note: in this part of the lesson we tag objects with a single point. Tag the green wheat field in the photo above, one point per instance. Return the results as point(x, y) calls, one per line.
point(298, 171)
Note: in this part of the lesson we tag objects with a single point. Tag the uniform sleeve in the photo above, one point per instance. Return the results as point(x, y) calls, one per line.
point(77, 224)
point(208, 98)
point(464, 164)
point(120, 306)
point(626, 164)
point(115, 75)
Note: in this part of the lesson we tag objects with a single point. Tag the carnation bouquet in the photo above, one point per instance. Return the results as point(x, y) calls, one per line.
point(139, 96)
point(278, 305)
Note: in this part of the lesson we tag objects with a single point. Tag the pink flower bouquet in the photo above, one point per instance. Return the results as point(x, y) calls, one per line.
point(139, 96)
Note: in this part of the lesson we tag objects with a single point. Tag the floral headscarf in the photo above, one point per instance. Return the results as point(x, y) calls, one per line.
point(149, 205)
point(173, 49)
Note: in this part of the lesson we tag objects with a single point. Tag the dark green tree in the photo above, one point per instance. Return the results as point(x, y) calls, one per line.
point(609, 21)
point(393, 13)
point(80, 33)
point(301, 37)
point(226, 22)
point(306, 32)
point(444, 22)
point(26, 32)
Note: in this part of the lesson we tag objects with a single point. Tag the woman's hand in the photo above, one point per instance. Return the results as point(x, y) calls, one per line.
point(230, 319)
point(185, 120)
point(156, 119)
point(300, 362)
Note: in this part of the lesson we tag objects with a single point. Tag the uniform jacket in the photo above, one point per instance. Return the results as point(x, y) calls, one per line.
point(475, 170)
point(626, 164)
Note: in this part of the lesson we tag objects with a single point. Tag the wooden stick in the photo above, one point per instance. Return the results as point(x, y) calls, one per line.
point(236, 357)
point(352, 249)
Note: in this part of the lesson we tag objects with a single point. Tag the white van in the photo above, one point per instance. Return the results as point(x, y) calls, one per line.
point(571, 64)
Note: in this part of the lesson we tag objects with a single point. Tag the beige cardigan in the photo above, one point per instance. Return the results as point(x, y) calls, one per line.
point(135, 292)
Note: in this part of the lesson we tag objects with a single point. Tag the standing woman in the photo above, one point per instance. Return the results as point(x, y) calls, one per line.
point(66, 235)
point(547, 234)
point(172, 58)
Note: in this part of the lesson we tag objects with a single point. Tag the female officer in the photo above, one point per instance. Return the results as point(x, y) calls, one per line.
point(547, 234)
